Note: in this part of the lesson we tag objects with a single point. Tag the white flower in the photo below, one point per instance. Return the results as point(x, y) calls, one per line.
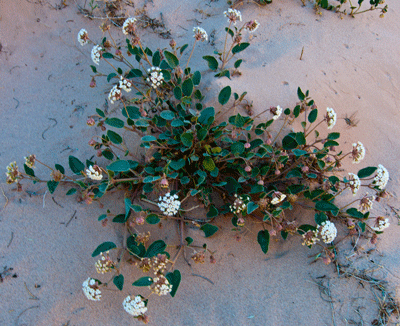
point(125, 84)
point(358, 152)
point(169, 205)
point(115, 94)
point(96, 53)
point(330, 117)
point(135, 307)
point(129, 26)
point(276, 112)
point(354, 183)
point(200, 34)
point(91, 289)
point(161, 285)
point(83, 37)
point(30, 160)
point(310, 238)
point(277, 197)
point(366, 203)
point(12, 173)
point(252, 25)
point(327, 231)
point(381, 223)
point(233, 15)
point(156, 77)
point(239, 205)
point(381, 178)
point(94, 172)
point(105, 264)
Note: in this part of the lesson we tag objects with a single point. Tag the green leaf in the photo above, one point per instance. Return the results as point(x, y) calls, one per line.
point(366, 172)
point(202, 133)
point(326, 206)
point(102, 217)
point(134, 73)
point(237, 148)
point(237, 63)
point(94, 69)
point(119, 281)
point(209, 164)
point(320, 218)
point(187, 87)
point(174, 279)
point(114, 122)
point(354, 213)
point(120, 218)
point(263, 240)
point(60, 168)
point(171, 59)
point(313, 115)
point(251, 207)
point(300, 94)
point(209, 229)
point(176, 165)
point(71, 191)
point(333, 135)
point(183, 48)
point(330, 143)
point(29, 171)
point(149, 138)
point(114, 137)
point(119, 166)
point(107, 55)
point(189, 240)
point(157, 247)
point(178, 92)
point(223, 73)
point(156, 59)
point(211, 61)
point(299, 152)
point(75, 165)
point(288, 142)
point(52, 185)
point(207, 116)
point(224, 95)
point(131, 112)
point(196, 78)
point(143, 281)
point(167, 115)
point(110, 76)
point(105, 246)
point(302, 229)
point(187, 139)
point(152, 219)
point(240, 47)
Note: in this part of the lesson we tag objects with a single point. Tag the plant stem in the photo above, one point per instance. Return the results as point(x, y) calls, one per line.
point(191, 53)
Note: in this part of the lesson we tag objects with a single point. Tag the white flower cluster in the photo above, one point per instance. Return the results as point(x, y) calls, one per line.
point(233, 15)
point(277, 197)
point(200, 34)
point(366, 203)
point(105, 264)
point(129, 26)
point(358, 152)
point(156, 76)
point(330, 117)
point(91, 289)
point(30, 160)
point(252, 25)
point(115, 94)
point(161, 286)
point(276, 112)
point(94, 173)
point(327, 231)
point(96, 53)
point(310, 238)
point(381, 224)
point(135, 307)
point(381, 178)
point(168, 204)
point(12, 173)
point(238, 205)
point(354, 183)
point(83, 37)
point(125, 84)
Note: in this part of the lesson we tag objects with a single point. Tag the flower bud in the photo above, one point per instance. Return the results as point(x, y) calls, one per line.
point(172, 44)
point(268, 142)
point(277, 172)
point(90, 122)
point(247, 168)
point(272, 232)
point(247, 145)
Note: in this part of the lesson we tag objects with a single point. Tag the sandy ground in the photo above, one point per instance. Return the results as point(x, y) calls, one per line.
point(350, 65)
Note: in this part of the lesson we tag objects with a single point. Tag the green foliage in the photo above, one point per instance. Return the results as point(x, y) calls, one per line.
point(105, 246)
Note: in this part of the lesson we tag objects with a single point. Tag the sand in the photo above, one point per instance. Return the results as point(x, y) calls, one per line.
point(351, 65)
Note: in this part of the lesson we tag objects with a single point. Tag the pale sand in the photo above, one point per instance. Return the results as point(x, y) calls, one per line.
point(349, 65)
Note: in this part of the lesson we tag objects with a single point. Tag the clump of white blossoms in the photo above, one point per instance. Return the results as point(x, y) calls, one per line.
point(161, 286)
point(358, 152)
point(327, 231)
point(239, 205)
point(310, 238)
point(96, 54)
point(330, 117)
point(381, 178)
point(105, 264)
point(135, 307)
point(252, 25)
point(233, 15)
point(156, 77)
point(83, 37)
point(94, 172)
point(12, 173)
point(129, 26)
point(169, 205)
point(125, 84)
point(200, 34)
point(276, 112)
point(354, 182)
point(381, 223)
point(366, 203)
point(115, 94)
point(30, 160)
point(91, 289)
point(277, 197)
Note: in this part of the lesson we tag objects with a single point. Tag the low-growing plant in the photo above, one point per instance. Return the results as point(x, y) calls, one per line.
point(243, 168)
